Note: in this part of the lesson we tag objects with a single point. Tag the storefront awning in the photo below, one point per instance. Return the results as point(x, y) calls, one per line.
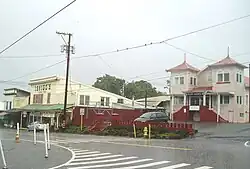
point(44, 107)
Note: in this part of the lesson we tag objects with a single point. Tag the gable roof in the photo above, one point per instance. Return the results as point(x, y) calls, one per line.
point(228, 61)
point(183, 66)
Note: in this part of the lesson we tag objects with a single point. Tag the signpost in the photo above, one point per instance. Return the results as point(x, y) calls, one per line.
point(82, 112)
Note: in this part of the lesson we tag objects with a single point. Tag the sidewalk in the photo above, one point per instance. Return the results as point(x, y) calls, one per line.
point(26, 155)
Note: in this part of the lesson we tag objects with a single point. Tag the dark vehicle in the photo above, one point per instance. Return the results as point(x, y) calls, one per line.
point(153, 117)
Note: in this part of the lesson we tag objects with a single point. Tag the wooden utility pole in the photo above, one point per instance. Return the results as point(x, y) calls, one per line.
point(69, 49)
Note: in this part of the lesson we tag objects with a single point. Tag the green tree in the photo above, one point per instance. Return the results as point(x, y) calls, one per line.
point(110, 84)
point(115, 85)
point(139, 89)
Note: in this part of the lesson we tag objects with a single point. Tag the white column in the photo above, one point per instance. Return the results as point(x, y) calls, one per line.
point(57, 120)
point(41, 117)
point(185, 99)
point(210, 102)
point(218, 107)
point(204, 99)
point(172, 108)
point(21, 120)
point(189, 100)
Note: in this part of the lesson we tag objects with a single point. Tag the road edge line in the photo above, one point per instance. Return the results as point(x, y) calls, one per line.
point(66, 148)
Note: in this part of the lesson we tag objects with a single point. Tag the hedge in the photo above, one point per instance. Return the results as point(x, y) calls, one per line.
point(127, 131)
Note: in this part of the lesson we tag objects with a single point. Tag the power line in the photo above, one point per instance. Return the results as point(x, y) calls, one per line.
point(35, 71)
point(29, 57)
point(183, 50)
point(139, 46)
point(26, 34)
point(25, 83)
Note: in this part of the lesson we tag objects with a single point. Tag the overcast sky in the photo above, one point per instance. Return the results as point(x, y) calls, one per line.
point(106, 25)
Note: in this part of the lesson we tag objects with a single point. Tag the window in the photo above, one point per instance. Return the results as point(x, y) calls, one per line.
point(48, 98)
point(226, 77)
point(102, 101)
point(179, 100)
point(241, 114)
point(49, 86)
point(246, 99)
point(120, 101)
point(87, 100)
point(38, 98)
point(239, 99)
point(223, 77)
point(220, 77)
point(107, 101)
point(81, 100)
point(84, 100)
point(224, 99)
point(238, 77)
point(176, 80)
point(195, 81)
point(153, 116)
point(191, 80)
point(181, 80)
point(209, 78)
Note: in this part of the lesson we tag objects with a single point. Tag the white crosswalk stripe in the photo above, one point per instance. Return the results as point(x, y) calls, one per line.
point(145, 165)
point(175, 166)
point(87, 159)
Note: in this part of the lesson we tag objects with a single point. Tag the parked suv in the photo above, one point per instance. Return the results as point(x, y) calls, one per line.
point(153, 117)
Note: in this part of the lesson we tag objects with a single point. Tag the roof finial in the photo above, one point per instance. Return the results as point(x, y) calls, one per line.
point(228, 51)
point(185, 58)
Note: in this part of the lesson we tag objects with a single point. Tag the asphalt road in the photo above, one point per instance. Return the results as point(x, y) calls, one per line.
point(207, 151)
point(26, 155)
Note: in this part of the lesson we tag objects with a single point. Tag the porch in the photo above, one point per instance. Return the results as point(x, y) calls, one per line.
point(47, 113)
point(204, 106)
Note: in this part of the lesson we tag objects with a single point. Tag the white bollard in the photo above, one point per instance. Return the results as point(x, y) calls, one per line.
point(45, 141)
point(3, 157)
point(48, 136)
point(17, 128)
point(34, 130)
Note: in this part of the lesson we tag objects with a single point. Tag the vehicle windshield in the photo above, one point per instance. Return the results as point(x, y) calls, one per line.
point(146, 115)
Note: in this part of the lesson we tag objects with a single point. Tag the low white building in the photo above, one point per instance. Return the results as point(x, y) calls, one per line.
point(50, 90)
point(47, 98)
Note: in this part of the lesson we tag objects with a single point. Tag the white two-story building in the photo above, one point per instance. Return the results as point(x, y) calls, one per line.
point(47, 99)
point(218, 93)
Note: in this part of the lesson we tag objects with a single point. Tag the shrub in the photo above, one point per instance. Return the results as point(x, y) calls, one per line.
point(127, 131)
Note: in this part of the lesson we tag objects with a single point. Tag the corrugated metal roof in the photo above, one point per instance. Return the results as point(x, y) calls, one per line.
point(43, 107)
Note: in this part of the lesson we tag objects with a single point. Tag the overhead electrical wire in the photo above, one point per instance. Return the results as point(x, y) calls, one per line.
point(29, 32)
point(26, 83)
point(29, 57)
point(129, 48)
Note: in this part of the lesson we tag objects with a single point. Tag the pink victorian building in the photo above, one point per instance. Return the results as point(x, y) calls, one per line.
point(218, 93)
